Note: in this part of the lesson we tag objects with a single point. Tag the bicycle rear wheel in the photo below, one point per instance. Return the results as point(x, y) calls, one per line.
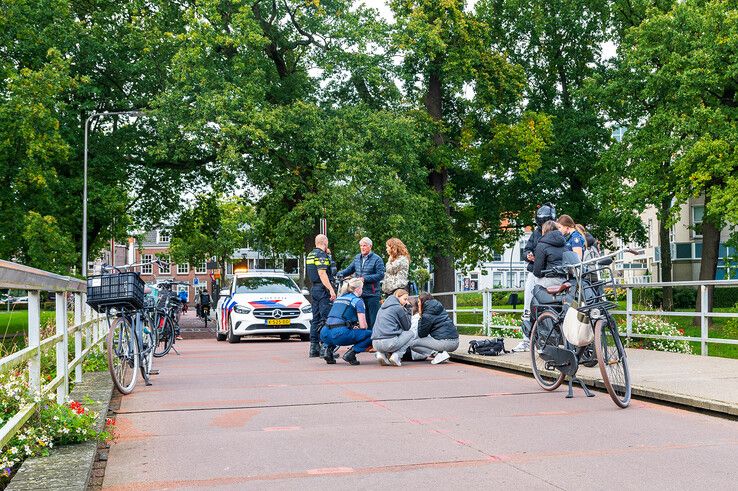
point(613, 361)
point(166, 336)
point(539, 338)
point(122, 355)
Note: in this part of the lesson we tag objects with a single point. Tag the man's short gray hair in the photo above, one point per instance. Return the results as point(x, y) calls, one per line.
point(367, 241)
point(320, 239)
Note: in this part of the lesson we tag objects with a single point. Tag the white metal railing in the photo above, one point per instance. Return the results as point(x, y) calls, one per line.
point(487, 310)
point(88, 328)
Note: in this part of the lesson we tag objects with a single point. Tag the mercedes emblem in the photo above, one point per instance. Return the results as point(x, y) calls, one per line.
point(277, 314)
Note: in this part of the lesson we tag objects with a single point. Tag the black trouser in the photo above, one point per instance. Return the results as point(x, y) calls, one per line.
point(372, 307)
point(321, 304)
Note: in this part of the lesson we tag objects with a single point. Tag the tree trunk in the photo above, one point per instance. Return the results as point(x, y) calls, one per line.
point(665, 246)
point(443, 262)
point(709, 259)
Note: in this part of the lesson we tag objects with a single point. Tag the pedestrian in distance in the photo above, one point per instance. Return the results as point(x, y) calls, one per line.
point(348, 312)
point(544, 213)
point(397, 267)
point(369, 267)
point(320, 274)
point(437, 334)
point(391, 335)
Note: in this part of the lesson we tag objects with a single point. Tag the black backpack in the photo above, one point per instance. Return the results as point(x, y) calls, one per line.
point(487, 347)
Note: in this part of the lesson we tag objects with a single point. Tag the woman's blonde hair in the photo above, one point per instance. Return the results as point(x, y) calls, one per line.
point(400, 292)
point(548, 227)
point(351, 285)
point(397, 248)
point(583, 231)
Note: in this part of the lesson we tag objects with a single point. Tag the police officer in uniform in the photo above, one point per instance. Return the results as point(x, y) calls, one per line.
point(320, 272)
point(348, 312)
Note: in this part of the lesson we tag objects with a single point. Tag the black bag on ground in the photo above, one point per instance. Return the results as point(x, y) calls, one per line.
point(487, 347)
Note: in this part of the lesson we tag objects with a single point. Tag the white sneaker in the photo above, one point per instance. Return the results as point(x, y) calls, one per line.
point(396, 359)
point(382, 359)
point(440, 358)
point(524, 345)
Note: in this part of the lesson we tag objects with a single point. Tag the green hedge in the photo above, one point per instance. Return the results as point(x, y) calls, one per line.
point(685, 297)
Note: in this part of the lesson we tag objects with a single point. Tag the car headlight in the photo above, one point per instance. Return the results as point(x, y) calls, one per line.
point(307, 309)
point(240, 309)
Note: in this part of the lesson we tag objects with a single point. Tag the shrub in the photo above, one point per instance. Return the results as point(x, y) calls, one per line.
point(658, 327)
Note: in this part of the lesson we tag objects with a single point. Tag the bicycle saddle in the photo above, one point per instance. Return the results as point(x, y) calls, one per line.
point(555, 290)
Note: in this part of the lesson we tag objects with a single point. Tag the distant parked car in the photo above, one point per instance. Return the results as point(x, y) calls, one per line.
point(20, 300)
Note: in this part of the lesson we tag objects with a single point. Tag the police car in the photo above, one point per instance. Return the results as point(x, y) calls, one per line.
point(262, 303)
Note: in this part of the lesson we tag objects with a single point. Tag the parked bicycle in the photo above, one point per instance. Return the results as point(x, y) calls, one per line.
point(166, 314)
point(132, 337)
point(553, 357)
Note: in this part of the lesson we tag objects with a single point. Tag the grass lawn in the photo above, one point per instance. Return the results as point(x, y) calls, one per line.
point(14, 326)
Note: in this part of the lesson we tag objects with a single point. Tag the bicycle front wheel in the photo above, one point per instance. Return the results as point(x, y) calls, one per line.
point(612, 361)
point(149, 340)
point(122, 355)
point(166, 336)
point(544, 333)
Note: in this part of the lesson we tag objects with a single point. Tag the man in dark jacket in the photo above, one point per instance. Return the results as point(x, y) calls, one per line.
point(391, 334)
point(544, 213)
point(370, 268)
point(437, 334)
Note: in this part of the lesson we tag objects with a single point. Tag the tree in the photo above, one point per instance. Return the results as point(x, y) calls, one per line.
point(46, 246)
point(470, 97)
point(213, 228)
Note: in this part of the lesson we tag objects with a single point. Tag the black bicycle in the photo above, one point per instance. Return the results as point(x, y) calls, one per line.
point(553, 358)
point(132, 337)
point(166, 314)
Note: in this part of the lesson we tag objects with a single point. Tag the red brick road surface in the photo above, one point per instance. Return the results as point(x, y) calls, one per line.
point(261, 415)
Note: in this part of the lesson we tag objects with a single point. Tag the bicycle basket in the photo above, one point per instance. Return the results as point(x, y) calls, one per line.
point(115, 290)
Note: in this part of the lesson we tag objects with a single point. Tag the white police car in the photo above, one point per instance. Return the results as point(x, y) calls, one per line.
point(262, 303)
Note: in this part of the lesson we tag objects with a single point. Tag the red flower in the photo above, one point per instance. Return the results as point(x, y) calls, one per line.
point(76, 407)
point(110, 422)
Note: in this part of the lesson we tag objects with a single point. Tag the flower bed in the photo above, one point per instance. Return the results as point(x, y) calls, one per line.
point(52, 424)
point(512, 326)
point(659, 327)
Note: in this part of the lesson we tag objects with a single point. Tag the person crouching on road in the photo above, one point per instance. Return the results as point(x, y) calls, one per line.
point(391, 334)
point(318, 268)
point(437, 334)
point(369, 267)
point(348, 309)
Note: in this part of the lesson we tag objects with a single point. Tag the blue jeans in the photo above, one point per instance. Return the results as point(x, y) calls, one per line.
point(372, 307)
point(321, 304)
point(343, 336)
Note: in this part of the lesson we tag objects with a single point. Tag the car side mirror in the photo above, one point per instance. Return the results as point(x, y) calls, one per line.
point(225, 292)
point(304, 292)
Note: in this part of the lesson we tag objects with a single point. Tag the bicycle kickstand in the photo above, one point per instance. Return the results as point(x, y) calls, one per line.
point(175, 350)
point(584, 388)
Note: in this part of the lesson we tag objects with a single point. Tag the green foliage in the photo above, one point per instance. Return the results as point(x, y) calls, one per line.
point(95, 361)
point(46, 245)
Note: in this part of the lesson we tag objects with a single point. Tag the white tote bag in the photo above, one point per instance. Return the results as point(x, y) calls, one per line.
point(576, 327)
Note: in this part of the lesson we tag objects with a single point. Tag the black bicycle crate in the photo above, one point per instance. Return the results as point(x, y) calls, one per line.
point(115, 290)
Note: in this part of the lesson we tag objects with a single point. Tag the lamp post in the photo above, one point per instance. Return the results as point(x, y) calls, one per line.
point(84, 191)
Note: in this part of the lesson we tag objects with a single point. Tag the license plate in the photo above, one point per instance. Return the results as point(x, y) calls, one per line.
point(278, 322)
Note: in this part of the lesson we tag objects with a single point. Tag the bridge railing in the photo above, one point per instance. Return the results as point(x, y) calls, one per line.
point(704, 314)
point(87, 327)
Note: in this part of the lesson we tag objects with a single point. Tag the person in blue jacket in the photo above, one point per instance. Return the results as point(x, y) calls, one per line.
point(370, 268)
point(347, 311)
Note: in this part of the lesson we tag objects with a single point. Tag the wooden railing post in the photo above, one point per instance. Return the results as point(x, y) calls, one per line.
point(34, 338)
point(62, 358)
point(78, 336)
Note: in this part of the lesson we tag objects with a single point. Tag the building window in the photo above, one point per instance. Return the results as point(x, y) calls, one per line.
point(201, 268)
point(650, 232)
point(617, 133)
point(183, 268)
point(698, 214)
point(497, 279)
point(165, 267)
point(164, 236)
point(496, 256)
point(147, 268)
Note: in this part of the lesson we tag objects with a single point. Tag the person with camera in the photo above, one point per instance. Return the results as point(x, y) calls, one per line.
point(319, 271)
point(347, 312)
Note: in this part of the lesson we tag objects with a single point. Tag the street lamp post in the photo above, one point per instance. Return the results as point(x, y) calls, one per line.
point(84, 191)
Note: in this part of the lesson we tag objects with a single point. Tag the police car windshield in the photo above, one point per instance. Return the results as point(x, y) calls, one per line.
point(256, 284)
